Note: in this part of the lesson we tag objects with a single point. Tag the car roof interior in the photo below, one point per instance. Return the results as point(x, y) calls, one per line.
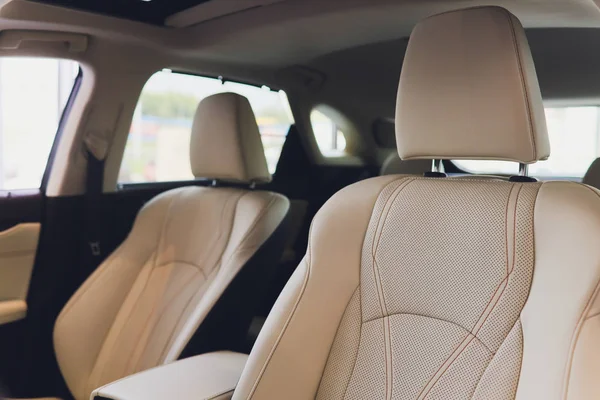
point(318, 52)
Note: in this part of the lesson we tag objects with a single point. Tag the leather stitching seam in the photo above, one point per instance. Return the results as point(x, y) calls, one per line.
point(467, 341)
point(466, 331)
point(523, 82)
point(492, 359)
point(295, 307)
point(122, 327)
point(382, 302)
point(377, 237)
point(167, 304)
point(287, 322)
point(579, 326)
point(357, 347)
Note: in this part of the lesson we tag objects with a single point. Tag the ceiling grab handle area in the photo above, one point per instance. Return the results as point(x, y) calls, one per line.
point(15, 39)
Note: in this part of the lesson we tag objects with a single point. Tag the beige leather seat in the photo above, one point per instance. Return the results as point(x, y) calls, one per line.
point(440, 288)
point(144, 303)
point(393, 165)
point(592, 176)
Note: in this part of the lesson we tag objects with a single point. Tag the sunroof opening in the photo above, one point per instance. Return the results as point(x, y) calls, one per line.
point(149, 11)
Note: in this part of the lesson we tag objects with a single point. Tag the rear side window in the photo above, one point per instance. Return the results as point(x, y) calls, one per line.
point(33, 94)
point(329, 136)
point(158, 144)
point(574, 134)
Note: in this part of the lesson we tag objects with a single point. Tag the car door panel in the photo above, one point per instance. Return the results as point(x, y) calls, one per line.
point(20, 217)
point(18, 246)
point(20, 230)
point(27, 229)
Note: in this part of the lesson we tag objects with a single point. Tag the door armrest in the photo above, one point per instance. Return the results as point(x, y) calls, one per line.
point(207, 376)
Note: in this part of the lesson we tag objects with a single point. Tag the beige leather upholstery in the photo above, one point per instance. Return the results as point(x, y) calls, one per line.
point(592, 175)
point(393, 165)
point(442, 288)
point(141, 306)
point(470, 106)
point(211, 376)
point(18, 246)
point(12, 310)
point(226, 121)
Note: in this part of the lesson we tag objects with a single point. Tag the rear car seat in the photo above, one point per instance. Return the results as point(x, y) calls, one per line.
point(142, 305)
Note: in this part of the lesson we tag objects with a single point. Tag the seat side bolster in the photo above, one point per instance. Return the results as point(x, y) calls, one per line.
point(583, 380)
point(556, 318)
point(257, 216)
point(288, 359)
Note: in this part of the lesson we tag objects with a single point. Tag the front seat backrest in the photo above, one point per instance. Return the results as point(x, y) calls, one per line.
point(441, 288)
point(142, 305)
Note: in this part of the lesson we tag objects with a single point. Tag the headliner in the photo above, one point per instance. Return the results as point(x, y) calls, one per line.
point(357, 46)
point(279, 33)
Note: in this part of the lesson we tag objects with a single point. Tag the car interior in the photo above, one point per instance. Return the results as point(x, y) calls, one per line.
point(299, 199)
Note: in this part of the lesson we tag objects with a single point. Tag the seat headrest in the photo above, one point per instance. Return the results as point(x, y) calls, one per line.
point(225, 143)
point(468, 90)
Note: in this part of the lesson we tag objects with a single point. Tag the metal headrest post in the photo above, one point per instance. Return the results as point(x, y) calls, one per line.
point(523, 169)
point(523, 175)
point(437, 166)
point(437, 170)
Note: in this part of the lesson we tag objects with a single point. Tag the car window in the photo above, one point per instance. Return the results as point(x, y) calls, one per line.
point(574, 134)
point(158, 144)
point(330, 137)
point(33, 94)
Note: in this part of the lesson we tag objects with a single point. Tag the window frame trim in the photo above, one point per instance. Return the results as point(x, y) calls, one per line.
point(62, 122)
point(172, 184)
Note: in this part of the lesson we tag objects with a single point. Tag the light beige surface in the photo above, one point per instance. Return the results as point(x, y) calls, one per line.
point(483, 104)
point(440, 288)
point(204, 377)
point(486, 299)
point(141, 306)
point(12, 310)
point(225, 142)
point(144, 302)
point(18, 246)
point(393, 165)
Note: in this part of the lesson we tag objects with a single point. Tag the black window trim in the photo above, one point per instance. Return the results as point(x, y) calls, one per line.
point(59, 131)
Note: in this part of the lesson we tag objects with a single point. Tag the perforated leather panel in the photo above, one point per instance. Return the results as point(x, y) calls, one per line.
point(446, 270)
